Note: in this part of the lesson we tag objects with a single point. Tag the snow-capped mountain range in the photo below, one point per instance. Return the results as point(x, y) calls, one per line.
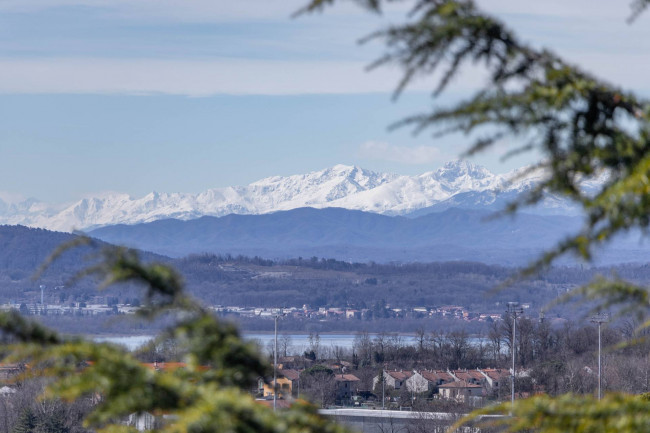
point(456, 184)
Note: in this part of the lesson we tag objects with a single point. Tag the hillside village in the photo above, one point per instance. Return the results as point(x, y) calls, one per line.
point(304, 313)
point(340, 313)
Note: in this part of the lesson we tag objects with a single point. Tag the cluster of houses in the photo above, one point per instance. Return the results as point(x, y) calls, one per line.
point(345, 386)
point(99, 306)
point(463, 386)
point(337, 313)
point(68, 309)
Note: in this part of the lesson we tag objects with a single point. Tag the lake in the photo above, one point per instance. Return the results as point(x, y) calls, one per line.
point(298, 342)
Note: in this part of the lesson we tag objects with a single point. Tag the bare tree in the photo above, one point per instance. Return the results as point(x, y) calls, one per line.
point(390, 424)
point(314, 344)
point(430, 418)
point(459, 348)
point(285, 344)
point(319, 385)
point(495, 338)
point(525, 339)
point(420, 337)
point(7, 414)
point(363, 349)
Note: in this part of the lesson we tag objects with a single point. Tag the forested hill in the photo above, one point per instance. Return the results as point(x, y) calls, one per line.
point(453, 234)
point(23, 250)
point(257, 282)
point(329, 283)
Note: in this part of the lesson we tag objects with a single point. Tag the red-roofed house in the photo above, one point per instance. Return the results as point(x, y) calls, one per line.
point(496, 378)
point(470, 376)
point(461, 391)
point(428, 380)
point(393, 379)
point(346, 386)
point(287, 382)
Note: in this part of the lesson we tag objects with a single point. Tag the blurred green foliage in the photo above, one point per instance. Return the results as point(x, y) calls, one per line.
point(208, 394)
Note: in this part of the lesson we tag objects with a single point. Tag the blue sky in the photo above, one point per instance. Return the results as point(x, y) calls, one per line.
point(186, 95)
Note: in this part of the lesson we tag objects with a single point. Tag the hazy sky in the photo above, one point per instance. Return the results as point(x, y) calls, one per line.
point(186, 95)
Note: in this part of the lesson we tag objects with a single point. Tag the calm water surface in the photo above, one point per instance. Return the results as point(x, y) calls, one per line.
point(297, 342)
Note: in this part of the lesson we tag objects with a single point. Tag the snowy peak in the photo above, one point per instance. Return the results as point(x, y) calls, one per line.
point(339, 174)
point(317, 188)
point(457, 183)
point(462, 176)
point(459, 168)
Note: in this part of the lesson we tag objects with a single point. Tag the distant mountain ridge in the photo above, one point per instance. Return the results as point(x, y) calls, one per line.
point(456, 184)
point(454, 234)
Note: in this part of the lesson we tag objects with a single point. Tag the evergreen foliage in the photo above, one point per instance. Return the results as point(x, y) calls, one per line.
point(26, 423)
point(55, 423)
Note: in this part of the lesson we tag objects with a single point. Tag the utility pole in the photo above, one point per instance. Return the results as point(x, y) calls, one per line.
point(599, 319)
point(515, 310)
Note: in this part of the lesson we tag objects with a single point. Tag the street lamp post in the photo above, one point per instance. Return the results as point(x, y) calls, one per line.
point(599, 319)
point(515, 310)
point(383, 389)
point(276, 316)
